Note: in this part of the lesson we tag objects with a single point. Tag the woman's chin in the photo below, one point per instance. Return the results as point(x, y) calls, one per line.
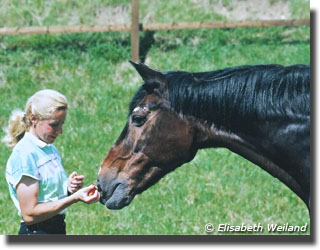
point(50, 140)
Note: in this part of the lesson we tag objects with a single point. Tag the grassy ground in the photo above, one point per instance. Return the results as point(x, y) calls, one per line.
point(92, 71)
point(76, 12)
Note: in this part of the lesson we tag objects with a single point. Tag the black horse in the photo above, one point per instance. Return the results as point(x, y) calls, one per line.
point(260, 112)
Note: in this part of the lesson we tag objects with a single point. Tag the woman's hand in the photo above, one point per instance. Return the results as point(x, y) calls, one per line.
point(75, 182)
point(87, 195)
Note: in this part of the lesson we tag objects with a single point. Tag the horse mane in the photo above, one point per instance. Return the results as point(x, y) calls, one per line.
point(228, 96)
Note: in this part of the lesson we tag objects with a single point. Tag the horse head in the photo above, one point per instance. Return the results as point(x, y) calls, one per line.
point(155, 141)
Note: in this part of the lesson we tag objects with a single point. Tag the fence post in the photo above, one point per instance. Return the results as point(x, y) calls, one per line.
point(135, 30)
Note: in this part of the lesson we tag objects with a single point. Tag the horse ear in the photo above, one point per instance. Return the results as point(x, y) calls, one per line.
point(153, 79)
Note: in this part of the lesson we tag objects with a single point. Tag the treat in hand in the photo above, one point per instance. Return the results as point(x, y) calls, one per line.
point(92, 190)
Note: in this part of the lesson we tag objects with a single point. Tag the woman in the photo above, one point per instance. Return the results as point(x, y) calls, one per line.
point(38, 184)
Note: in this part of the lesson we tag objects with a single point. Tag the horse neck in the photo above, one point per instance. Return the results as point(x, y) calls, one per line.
point(251, 149)
point(241, 107)
point(223, 124)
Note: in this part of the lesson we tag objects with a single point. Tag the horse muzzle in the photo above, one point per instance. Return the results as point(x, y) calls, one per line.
point(114, 194)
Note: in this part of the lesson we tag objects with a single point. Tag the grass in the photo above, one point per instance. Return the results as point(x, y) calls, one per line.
point(92, 70)
point(75, 12)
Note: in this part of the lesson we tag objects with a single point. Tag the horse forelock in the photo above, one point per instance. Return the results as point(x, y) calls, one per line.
point(138, 97)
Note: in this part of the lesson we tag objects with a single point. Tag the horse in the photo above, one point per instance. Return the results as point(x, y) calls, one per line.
point(260, 112)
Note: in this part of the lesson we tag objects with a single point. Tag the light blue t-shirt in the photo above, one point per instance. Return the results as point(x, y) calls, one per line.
point(38, 160)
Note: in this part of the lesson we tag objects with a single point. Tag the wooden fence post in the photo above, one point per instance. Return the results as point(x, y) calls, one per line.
point(135, 30)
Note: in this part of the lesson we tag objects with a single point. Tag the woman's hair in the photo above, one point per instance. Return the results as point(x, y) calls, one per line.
point(42, 105)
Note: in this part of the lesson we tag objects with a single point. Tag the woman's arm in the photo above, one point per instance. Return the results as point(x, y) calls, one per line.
point(34, 212)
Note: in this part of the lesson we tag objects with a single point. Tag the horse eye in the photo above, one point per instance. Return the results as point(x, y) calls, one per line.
point(138, 120)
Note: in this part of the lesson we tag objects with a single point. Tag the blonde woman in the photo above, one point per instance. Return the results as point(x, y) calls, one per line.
point(38, 184)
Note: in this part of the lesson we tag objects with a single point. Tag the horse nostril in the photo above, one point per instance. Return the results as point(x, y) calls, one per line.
point(99, 188)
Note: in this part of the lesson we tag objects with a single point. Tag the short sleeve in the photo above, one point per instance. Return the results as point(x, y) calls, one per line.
point(21, 165)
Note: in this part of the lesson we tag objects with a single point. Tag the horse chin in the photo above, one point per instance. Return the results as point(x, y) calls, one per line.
point(118, 202)
point(119, 198)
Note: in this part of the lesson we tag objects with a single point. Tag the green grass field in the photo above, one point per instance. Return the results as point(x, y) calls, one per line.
point(92, 70)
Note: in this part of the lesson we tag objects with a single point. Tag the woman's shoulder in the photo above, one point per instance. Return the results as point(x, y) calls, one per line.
point(22, 161)
point(23, 151)
point(23, 147)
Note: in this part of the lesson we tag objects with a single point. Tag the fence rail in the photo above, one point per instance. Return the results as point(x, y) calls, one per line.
point(63, 29)
point(225, 24)
point(155, 26)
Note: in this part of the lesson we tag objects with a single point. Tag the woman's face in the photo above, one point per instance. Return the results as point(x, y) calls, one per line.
point(49, 129)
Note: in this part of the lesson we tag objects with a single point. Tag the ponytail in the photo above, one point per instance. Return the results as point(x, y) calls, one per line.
point(16, 129)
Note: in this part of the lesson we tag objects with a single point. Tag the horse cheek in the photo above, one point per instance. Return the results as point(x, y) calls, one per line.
point(175, 143)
